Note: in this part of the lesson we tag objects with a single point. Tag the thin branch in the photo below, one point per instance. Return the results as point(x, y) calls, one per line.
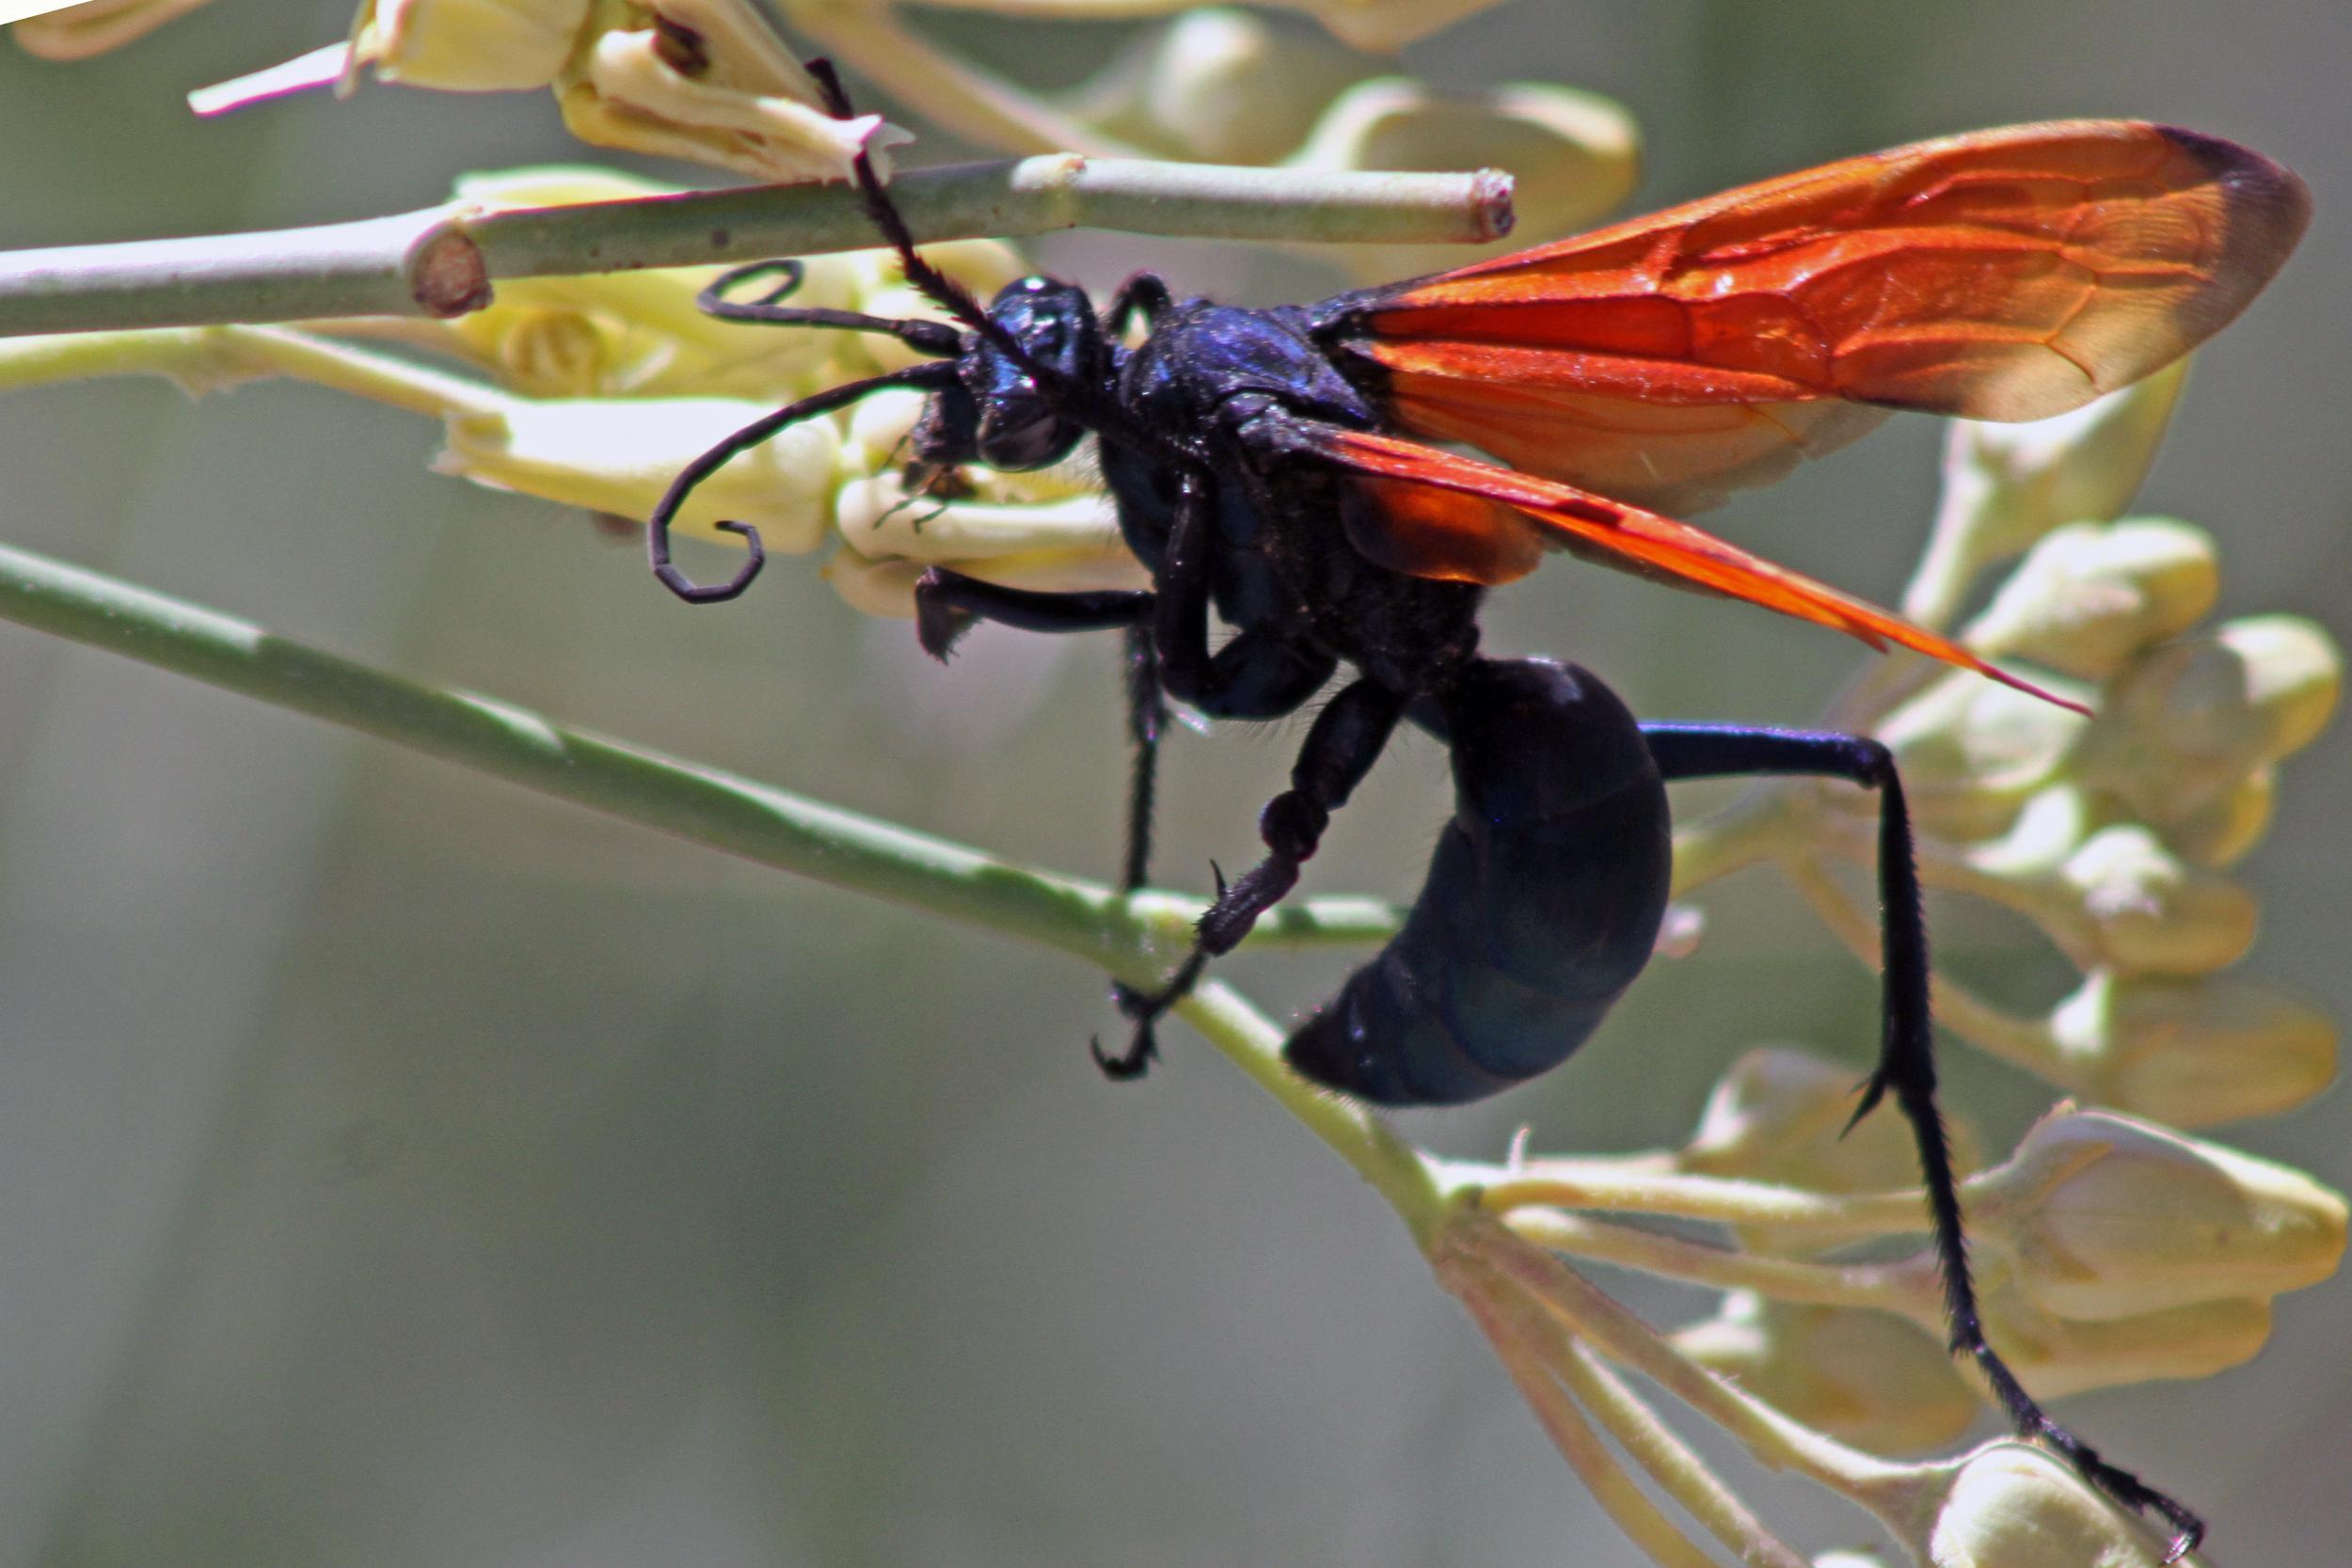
point(443, 261)
point(1522, 1341)
point(1133, 939)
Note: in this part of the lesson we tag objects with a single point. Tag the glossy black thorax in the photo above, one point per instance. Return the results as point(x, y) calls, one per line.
point(1282, 562)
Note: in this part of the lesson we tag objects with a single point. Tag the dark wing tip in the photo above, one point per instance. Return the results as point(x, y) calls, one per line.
point(2267, 204)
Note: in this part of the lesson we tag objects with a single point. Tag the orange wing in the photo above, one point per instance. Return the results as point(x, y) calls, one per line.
point(2004, 274)
point(1436, 515)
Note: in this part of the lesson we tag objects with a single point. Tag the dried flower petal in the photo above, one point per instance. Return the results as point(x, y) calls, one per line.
point(707, 80)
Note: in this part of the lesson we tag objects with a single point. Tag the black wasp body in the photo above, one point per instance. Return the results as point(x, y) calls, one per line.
point(1253, 459)
point(1544, 897)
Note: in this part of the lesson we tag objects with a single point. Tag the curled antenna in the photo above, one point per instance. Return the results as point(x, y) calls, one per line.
point(936, 373)
point(924, 336)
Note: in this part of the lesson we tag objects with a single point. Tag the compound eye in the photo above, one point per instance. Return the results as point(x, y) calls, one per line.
point(1026, 437)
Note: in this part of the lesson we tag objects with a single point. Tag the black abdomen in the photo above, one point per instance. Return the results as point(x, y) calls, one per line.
point(1543, 900)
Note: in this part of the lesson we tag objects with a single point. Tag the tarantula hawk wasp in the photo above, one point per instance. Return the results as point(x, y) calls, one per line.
point(1649, 367)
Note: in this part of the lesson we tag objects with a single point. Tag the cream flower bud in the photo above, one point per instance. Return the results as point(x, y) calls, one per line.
point(2137, 907)
point(2103, 1216)
point(882, 589)
point(2010, 1505)
point(2113, 897)
point(2005, 485)
point(2058, 1355)
point(619, 455)
point(2088, 597)
point(1573, 155)
point(879, 429)
point(2190, 1052)
point(77, 32)
point(1850, 1558)
point(885, 587)
point(1972, 753)
point(1218, 85)
point(468, 46)
point(2183, 728)
point(1781, 1116)
point(877, 518)
point(1866, 1378)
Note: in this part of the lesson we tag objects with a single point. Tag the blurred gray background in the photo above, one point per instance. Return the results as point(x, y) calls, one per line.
point(396, 1168)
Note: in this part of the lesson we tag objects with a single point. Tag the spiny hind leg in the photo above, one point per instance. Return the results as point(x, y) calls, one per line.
point(1906, 1067)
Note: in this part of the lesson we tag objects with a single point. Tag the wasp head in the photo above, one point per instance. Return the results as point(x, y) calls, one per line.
point(999, 414)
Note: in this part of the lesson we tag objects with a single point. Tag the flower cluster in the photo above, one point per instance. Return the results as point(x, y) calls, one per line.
point(2108, 1248)
point(619, 381)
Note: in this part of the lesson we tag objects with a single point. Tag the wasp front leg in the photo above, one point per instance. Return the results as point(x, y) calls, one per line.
point(948, 604)
point(1145, 295)
point(1347, 737)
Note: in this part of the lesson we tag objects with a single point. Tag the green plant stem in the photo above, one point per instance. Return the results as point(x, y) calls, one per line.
point(443, 261)
point(1132, 938)
point(1398, 1171)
